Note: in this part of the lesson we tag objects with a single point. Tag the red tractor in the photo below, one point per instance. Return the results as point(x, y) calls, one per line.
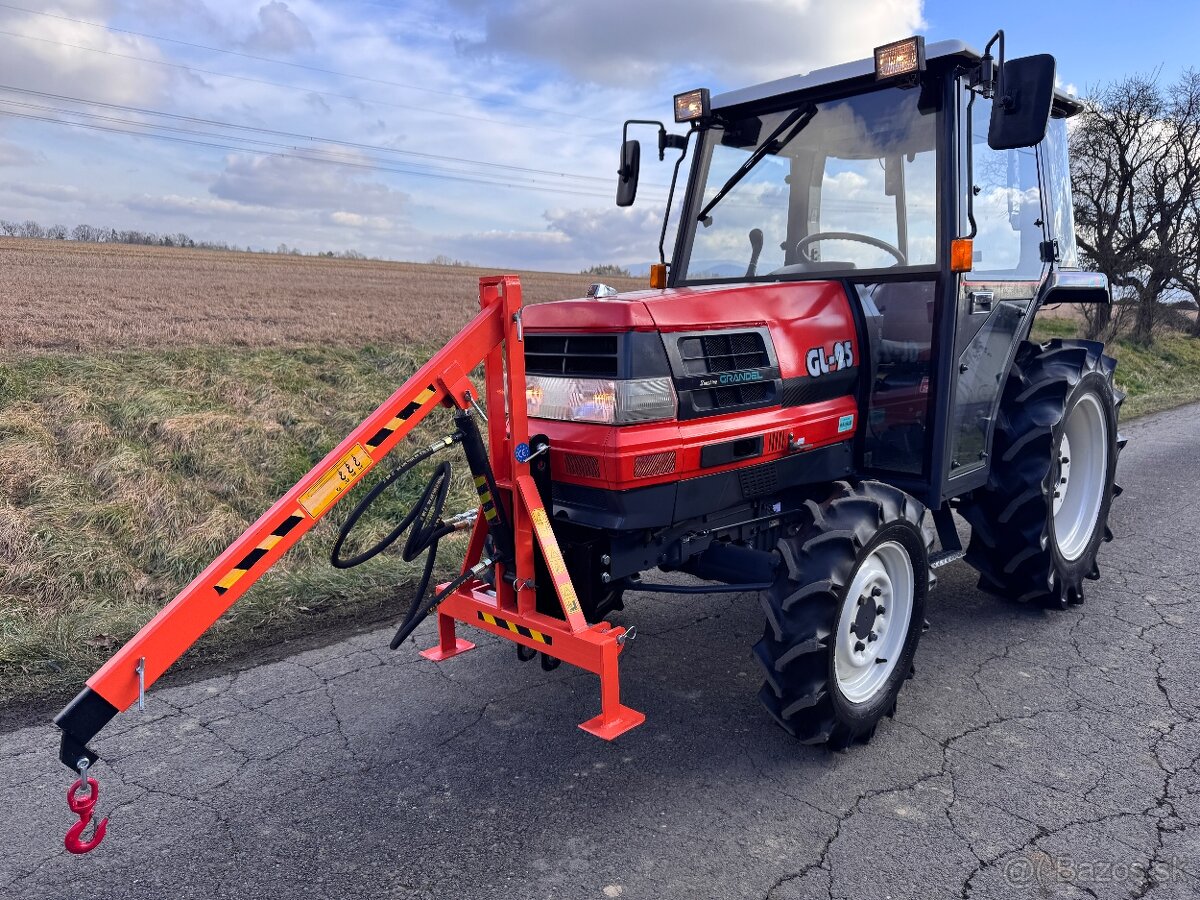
point(833, 361)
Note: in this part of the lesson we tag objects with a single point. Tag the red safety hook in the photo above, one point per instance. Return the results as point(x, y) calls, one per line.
point(82, 807)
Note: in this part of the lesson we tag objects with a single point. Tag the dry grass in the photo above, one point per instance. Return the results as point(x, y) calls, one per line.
point(122, 475)
point(1165, 376)
point(153, 402)
point(63, 295)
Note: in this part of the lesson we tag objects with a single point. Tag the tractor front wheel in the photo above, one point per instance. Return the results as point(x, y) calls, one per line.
point(845, 614)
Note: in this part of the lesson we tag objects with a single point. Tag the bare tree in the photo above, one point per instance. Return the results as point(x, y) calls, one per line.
point(1136, 172)
point(1188, 276)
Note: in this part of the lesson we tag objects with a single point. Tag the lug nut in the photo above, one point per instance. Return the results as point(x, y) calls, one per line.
point(605, 577)
point(859, 646)
point(605, 559)
point(872, 636)
point(880, 609)
point(876, 591)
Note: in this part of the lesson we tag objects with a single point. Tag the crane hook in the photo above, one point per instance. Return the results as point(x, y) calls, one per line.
point(83, 807)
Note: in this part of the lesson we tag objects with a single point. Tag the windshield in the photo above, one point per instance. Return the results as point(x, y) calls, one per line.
point(855, 188)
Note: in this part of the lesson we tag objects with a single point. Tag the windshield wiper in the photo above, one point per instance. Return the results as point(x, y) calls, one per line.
point(797, 120)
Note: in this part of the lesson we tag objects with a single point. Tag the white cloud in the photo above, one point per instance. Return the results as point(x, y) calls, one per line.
point(12, 154)
point(573, 239)
point(357, 220)
point(632, 41)
point(516, 114)
point(60, 193)
point(279, 31)
point(198, 207)
point(44, 62)
point(281, 182)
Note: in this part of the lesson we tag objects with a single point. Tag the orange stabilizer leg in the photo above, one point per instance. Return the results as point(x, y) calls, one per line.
point(448, 643)
point(615, 718)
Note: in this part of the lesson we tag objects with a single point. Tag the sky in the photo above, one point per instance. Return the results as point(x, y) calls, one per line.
point(408, 129)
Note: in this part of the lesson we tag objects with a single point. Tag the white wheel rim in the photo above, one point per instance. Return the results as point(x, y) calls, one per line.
point(870, 641)
point(1082, 468)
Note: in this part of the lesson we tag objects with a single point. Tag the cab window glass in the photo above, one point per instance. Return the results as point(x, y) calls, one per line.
point(889, 198)
point(1007, 205)
point(1056, 173)
point(850, 187)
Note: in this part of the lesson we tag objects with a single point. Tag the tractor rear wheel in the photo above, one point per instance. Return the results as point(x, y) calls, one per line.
point(1037, 526)
point(845, 614)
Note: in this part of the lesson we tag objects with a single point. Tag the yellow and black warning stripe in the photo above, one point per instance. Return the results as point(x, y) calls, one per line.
point(401, 417)
point(485, 498)
point(281, 531)
point(516, 629)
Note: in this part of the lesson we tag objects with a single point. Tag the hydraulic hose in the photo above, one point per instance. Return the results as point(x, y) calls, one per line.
point(419, 610)
point(428, 528)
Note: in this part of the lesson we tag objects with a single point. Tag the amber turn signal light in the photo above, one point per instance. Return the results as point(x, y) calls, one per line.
point(962, 254)
point(658, 276)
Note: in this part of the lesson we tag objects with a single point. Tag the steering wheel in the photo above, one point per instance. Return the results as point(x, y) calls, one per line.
point(804, 243)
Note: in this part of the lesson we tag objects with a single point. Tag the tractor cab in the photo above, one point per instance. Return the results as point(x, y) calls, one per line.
point(933, 184)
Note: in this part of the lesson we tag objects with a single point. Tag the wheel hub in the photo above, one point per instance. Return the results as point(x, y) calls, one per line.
point(874, 622)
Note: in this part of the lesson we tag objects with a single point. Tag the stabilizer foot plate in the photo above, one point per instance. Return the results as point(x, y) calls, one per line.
point(610, 727)
point(437, 654)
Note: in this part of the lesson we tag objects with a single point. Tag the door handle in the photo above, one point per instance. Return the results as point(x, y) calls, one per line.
point(981, 301)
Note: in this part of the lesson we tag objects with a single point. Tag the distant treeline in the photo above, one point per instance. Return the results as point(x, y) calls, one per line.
point(92, 234)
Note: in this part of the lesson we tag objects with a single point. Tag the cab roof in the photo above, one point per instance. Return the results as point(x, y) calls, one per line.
point(859, 68)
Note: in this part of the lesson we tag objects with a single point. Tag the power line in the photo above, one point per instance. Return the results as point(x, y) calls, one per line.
point(314, 153)
point(464, 177)
point(295, 65)
point(290, 134)
point(290, 87)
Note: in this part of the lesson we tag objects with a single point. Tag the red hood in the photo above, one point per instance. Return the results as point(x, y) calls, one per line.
point(686, 309)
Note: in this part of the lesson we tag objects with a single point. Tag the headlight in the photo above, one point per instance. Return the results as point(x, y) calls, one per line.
point(603, 400)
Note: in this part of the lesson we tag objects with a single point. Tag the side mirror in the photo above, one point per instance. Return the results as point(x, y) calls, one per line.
point(631, 163)
point(1021, 110)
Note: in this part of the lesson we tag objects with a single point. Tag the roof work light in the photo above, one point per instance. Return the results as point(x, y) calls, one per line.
point(692, 105)
point(900, 58)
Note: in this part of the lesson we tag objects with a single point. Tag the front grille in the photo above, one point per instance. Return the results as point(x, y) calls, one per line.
point(729, 352)
point(649, 464)
point(581, 465)
point(708, 399)
point(581, 355)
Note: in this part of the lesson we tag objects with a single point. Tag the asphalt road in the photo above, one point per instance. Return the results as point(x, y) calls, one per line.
point(1034, 755)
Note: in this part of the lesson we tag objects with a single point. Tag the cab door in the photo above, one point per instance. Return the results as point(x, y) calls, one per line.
point(996, 298)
